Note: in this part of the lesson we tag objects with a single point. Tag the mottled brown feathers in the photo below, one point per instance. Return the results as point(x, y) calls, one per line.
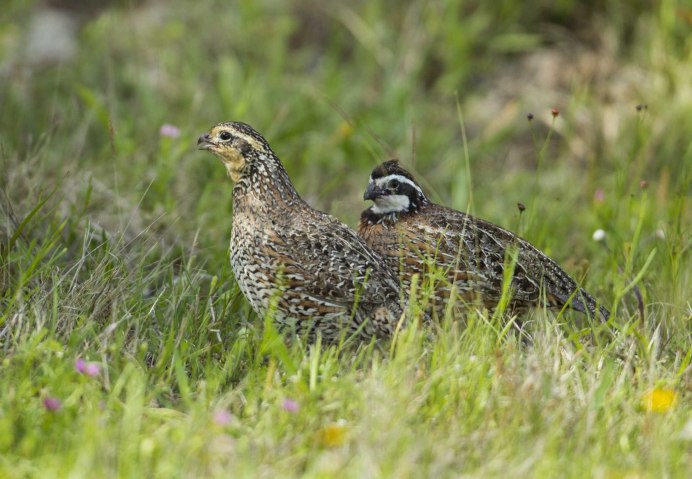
point(465, 255)
point(305, 268)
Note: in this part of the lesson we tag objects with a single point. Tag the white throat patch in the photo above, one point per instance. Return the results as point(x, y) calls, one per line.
point(390, 204)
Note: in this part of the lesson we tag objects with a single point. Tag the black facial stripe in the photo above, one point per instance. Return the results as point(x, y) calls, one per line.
point(406, 189)
point(394, 181)
point(247, 130)
point(415, 196)
point(244, 128)
point(243, 146)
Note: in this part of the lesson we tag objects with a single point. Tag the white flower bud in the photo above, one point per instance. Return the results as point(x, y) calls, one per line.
point(599, 235)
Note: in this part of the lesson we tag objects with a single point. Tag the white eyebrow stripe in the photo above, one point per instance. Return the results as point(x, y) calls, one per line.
point(401, 179)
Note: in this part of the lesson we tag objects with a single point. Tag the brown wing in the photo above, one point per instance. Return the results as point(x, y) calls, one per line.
point(480, 249)
point(348, 271)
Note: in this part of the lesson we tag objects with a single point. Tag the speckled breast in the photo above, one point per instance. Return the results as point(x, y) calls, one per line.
point(250, 268)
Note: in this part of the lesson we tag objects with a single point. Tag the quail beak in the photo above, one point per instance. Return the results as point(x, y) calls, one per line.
point(372, 192)
point(205, 142)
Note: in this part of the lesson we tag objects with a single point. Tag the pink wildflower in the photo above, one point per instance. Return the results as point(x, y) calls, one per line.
point(599, 195)
point(169, 131)
point(222, 417)
point(51, 403)
point(90, 369)
point(289, 405)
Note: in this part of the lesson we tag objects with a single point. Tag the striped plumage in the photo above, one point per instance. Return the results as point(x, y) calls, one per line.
point(471, 254)
point(311, 272)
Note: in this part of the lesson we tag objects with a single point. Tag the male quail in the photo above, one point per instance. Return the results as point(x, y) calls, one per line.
point(308, 270)
point(412, 233)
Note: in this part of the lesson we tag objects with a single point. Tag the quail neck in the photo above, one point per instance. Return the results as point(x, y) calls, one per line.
point(264, 188)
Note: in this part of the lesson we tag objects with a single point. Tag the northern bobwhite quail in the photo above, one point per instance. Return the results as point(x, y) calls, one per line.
point(306, 268)
point(412, 233)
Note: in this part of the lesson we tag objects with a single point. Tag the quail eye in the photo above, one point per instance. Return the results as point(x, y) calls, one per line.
point(225, 136)
point(394, 184)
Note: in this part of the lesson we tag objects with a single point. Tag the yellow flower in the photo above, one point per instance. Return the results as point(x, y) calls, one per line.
point(333, 435)
point(659, 399)
point(344, 131)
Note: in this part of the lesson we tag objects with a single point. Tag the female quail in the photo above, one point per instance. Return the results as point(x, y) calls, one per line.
point(412, 233)
point(311, 272)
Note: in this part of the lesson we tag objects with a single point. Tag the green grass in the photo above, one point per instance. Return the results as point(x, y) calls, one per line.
point(114, 240)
